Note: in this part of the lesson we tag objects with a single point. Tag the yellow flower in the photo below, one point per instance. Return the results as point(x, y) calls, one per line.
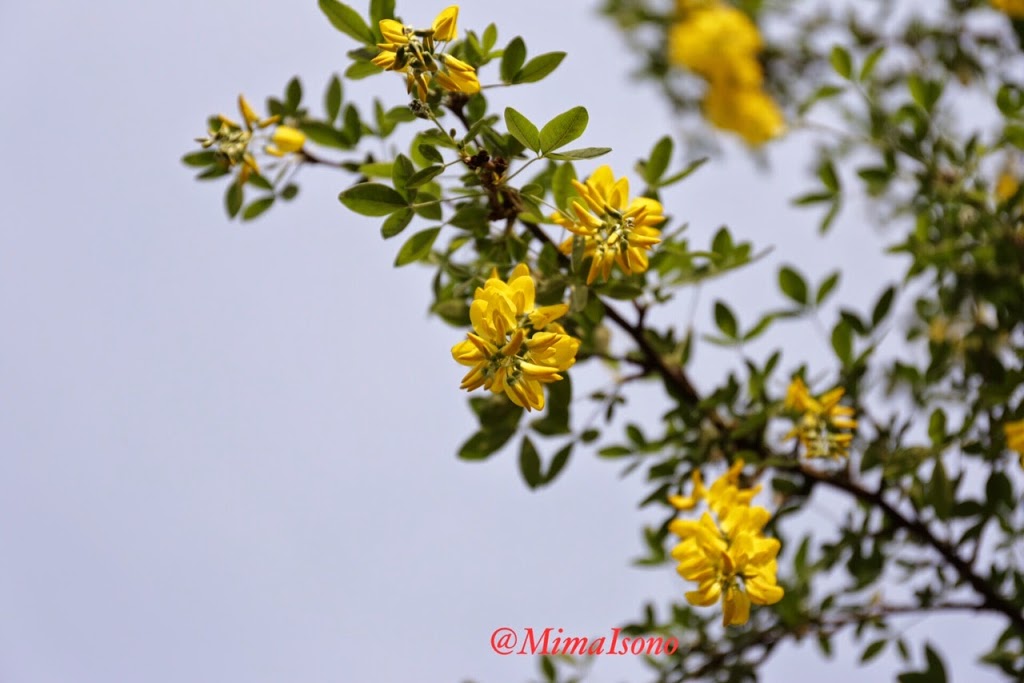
point(515, 347)
point(285, 140)
point(821, 428)
point(445, 23)
point(718, 42)
point(614, 228)
point(232, 139)
point(748, 111)
point(731, 561)
point(1014, 8)
point(1014, 432)
point(415, 53)
point(724, 494)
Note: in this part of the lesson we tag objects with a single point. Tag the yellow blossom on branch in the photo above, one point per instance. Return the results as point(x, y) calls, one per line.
point(285, 140)
point(232, 139)
point(723, 494)
point(1014, 432)
point(824, 427)
point(726, 553)
point(614, 228)
point(515, 347)
point(415, 53)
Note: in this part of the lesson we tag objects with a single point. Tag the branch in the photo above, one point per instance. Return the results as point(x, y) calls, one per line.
point(992, 600)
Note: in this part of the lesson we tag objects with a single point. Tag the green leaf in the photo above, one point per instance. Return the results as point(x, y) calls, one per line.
point(199, 159)
point(561, 185)
point(372, 199)
point(725, 320)
point(347, 20)
point(793, 285)
point(937, 427)
point(558, 463)
point(940, 491)
point(529, 464)
point(360, 70)
point(870, 62)
point(522, 129)
point(257, 208)
point(883, 306)
point(489, 38)
point(396, 223)
point(401, 170)
point(417, 247)
point(873, 650)
point(656, 166)
point(813, 198)
point(381, 9)
point(538, 67)
point(233, 198)
point(841, 61)
point(827, 175)
point(424, 175)
point(563, 129)
point(826, 287)
point(842, 342)
point(293, 94)
point(332, 99)
point(512, 60)
point(581, 153)
point(485, 443)
point(324, 134)
point(685, 173)
point(430, 153)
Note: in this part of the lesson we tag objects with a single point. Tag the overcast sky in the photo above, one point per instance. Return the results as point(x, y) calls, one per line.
point(228, 449)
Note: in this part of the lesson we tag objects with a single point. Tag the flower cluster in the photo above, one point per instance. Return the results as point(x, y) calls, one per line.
point(1014, 432)
point(614, 228)
point(233, 140)
point(721, 43)
point(415, 52)
point(515, 347)
point(725, 551)
point(1014, 8)
point(824, 428)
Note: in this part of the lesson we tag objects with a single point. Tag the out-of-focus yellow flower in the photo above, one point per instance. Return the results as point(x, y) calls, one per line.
point(721, 43)
point(1014, 8)
point(718, 42)
point(723, 495)
point(415, 53)
point(285, 140)
point(1006, 186)
point(825, 428)
point(614, 228)
point(515, 347)
point(730, 559)
point(1014, 432)
point(750, 112)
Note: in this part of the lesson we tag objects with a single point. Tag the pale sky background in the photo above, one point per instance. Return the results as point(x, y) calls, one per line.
point(228, 449)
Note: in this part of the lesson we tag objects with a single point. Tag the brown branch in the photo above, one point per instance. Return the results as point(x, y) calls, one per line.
point(992, 601)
